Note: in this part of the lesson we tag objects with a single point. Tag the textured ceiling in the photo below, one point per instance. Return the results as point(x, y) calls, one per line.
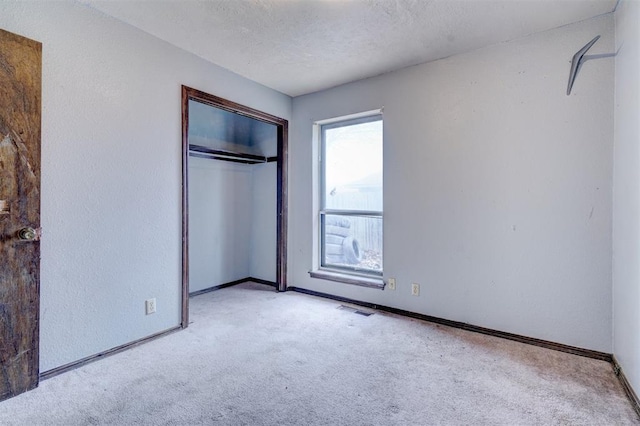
point(301, 46)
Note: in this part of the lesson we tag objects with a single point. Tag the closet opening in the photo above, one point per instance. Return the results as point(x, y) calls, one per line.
point(234, 202)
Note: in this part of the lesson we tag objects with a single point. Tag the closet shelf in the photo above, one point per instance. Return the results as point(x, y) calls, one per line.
point(237, 157)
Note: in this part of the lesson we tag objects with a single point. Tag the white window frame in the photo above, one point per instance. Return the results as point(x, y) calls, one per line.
point(339, 273)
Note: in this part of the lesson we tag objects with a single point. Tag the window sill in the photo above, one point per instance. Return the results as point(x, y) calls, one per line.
point(349, 279)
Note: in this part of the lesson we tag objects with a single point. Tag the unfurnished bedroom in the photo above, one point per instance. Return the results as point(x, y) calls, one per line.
point(314, 212)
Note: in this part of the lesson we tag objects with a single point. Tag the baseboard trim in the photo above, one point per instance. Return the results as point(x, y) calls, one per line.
point(92, 358)
point(628, 389)
point(633, 397)
point(261, 281)
point(218, 287)
point(232, 283)
point(465, 326)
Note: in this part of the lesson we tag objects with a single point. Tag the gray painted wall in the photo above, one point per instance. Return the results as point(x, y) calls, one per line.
point(111, 173)
point(220, 216)
point(497, 186)
point(232, 218)
point(626, 193)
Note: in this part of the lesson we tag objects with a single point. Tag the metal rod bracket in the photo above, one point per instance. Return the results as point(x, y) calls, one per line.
point(577, 61)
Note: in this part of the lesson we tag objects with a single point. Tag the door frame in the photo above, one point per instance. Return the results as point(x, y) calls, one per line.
point(282, 126)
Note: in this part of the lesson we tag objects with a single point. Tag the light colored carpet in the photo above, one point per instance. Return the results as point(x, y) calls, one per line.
point(256, 357)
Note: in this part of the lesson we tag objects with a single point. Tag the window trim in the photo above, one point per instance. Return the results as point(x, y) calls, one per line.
point(368, 278)
point(364, 281)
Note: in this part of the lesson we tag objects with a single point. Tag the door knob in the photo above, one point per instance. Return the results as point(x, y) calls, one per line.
point(27, 234)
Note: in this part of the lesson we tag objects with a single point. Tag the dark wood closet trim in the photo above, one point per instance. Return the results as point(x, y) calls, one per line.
point(282, 128)
point(464, 326)
point(184, 322)
point(282, 230)
point(84, 361)
point(633, 397)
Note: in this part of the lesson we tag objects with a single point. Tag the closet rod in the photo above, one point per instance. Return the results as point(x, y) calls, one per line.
point(204, 152)
point(213, 157)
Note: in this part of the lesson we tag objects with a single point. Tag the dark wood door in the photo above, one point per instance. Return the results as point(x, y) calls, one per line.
point(20, 91)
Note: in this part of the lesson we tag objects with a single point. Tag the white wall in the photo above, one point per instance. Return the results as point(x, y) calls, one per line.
point(497, 186)
point(111, 173)
point(220, 222)
point(232, 219)
point(626, 193)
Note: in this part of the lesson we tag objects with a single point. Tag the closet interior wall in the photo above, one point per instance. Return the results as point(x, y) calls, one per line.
point(233, 212)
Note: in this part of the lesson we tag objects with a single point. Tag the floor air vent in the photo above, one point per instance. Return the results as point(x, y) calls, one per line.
point(354, 310)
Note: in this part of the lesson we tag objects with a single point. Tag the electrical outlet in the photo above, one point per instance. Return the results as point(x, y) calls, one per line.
point(391, 283)
point(415, 289)
point(150, 306)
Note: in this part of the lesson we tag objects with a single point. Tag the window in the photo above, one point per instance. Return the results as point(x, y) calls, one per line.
point(350, 216)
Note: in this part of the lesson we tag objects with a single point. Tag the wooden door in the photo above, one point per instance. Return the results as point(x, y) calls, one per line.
point(20, 87)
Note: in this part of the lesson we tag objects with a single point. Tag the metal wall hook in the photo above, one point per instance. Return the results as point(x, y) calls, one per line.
point(577, 61)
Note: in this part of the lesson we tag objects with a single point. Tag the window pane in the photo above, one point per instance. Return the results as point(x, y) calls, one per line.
point(353, 167)
point(352, 242)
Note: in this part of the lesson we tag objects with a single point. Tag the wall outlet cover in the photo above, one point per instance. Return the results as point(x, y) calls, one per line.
point(150, 306)
point(415, 289)
point(391, 284)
